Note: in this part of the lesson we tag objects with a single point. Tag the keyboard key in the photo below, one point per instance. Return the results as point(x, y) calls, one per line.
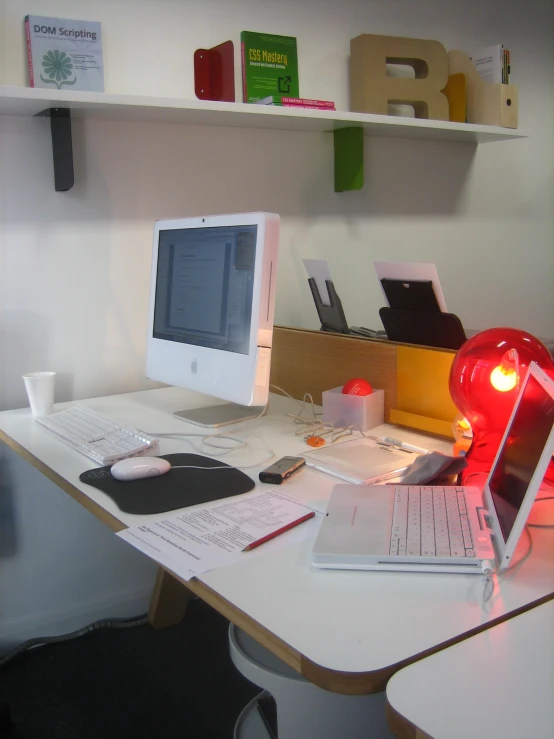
point(431, 522)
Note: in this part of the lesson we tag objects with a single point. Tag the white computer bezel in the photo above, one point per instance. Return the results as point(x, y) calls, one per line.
point(505, 548)
point(239, 378)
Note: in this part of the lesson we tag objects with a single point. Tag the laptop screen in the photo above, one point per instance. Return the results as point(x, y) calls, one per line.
point(521, 452)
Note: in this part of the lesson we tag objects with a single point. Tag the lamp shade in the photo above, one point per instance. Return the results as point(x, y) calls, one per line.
point(484, 383)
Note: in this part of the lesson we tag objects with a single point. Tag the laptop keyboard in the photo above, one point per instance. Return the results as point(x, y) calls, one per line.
point(430, 522)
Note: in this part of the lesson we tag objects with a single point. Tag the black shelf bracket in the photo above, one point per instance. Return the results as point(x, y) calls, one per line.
point(62, 149)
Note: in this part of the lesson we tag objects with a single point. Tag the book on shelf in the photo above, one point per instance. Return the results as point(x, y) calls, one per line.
point(493, 63)
point(64, 54)
point(269, 66)
point(289, 102)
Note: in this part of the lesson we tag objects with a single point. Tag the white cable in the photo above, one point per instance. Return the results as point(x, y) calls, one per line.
point(208, 441)
point(311, 424)
point(508, 572)
point(227, 466)
point(177, 435)
point(197, 467)
point(243, 445)
point(302, 403)
point(488, 584)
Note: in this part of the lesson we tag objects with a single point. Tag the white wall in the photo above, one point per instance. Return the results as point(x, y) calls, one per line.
point(74, 266)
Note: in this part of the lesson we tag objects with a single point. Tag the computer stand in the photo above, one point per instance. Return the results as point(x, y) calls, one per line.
point(214, 416)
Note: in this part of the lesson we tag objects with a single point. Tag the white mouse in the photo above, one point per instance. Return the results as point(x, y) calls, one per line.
point(135, 468)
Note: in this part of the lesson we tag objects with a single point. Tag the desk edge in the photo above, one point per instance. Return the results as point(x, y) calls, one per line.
point(375, 681)
point(110, 520)
point(402, 727)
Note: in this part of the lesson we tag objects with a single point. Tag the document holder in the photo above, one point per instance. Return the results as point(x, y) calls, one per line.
point(441, 330)
point(332, 316)
point(415, 317)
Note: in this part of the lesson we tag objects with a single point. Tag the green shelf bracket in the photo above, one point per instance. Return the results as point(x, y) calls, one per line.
point(349, 158)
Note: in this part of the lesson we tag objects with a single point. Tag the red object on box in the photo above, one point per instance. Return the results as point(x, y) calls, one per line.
point(357, 386)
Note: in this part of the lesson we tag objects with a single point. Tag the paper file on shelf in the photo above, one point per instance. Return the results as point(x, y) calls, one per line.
point(492, 63)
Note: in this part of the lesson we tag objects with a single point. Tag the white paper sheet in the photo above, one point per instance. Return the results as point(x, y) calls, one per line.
point(202, 539)
point(488, 62)
point(411, 271)
point(319, 270)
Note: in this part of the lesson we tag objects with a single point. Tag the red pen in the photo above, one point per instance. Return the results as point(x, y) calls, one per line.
point(282, 530)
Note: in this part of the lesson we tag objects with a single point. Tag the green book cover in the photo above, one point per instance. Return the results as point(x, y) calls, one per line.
point(269, 66)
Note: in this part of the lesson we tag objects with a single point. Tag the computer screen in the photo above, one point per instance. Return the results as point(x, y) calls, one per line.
point(204, 286)
point(521, 461)
point(212, 305)
point(519, 455)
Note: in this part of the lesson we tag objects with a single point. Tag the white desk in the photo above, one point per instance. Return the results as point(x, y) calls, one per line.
point(345, 631)
point(499, 683)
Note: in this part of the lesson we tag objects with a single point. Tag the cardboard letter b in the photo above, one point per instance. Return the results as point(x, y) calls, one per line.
point(371, 90)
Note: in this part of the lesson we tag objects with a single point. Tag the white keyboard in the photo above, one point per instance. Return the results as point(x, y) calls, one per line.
point(97, 437)
point(430, 522)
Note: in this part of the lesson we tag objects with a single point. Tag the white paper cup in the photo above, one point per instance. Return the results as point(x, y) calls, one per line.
point(40, 391)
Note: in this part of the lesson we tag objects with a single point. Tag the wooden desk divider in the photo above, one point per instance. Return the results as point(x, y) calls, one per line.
point(415, 379)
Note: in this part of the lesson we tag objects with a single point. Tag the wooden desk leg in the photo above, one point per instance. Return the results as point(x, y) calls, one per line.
point(169, 601)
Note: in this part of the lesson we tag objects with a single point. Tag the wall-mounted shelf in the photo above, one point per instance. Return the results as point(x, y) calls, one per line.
point(33, 101)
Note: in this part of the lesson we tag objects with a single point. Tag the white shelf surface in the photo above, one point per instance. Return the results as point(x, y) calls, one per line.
point(28, 101)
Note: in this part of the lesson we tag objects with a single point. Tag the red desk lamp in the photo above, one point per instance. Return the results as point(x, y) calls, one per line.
point(484, 382)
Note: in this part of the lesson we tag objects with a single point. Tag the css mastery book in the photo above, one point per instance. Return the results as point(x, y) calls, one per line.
point(269, 66)
point(64, 54)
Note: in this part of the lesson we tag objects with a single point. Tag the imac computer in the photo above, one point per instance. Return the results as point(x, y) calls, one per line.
point(212, 298)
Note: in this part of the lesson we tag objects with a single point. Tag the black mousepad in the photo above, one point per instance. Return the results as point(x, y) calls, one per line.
point(178, 488)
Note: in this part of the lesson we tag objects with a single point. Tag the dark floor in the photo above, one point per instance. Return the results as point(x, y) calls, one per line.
point(130, 684)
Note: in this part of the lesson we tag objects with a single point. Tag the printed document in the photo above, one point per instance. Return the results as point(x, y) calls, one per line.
point(195, 541)
point(488, 62)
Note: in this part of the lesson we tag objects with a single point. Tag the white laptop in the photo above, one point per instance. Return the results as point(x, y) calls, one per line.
point(447, 529)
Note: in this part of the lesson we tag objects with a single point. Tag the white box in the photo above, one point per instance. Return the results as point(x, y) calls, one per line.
point(363, 411)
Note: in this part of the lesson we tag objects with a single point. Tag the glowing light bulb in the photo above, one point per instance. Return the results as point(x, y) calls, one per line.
point(503, 379)
point(485, 375)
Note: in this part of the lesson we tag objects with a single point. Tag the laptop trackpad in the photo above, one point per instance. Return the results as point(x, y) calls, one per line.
point(366, 515)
